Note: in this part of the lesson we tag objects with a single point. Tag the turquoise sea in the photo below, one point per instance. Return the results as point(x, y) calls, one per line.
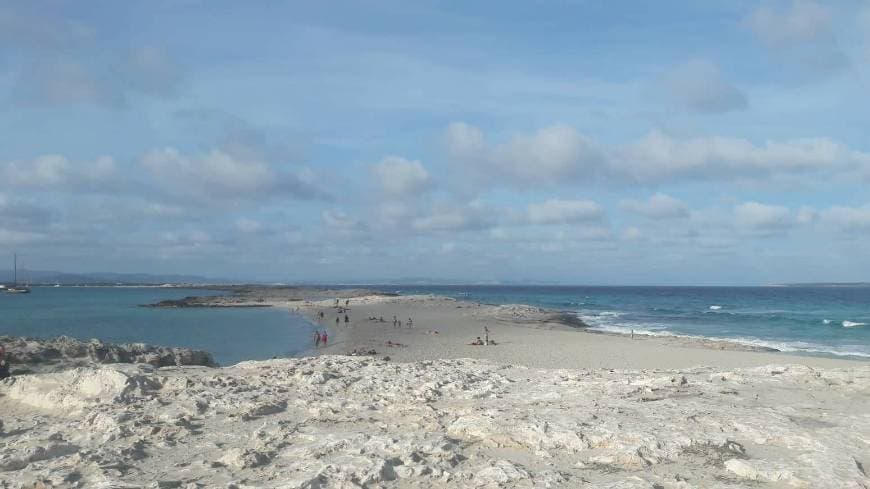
point(830, 321)
point(113, 314)
point(820, 320)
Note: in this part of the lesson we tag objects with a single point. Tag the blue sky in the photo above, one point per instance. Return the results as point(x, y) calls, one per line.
point(718, 142)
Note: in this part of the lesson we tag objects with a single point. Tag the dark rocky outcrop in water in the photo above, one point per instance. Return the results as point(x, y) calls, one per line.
point(62, 352)
point(264, 296)
point(207, 301)
point(568, 319)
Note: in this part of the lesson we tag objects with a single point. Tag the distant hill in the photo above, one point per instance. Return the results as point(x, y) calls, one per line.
point(37, 277)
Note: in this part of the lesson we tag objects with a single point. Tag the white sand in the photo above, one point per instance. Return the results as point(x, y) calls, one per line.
point(522, 338)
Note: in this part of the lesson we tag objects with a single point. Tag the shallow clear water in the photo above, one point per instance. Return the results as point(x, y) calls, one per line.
point(821, 320)
point(113, 314)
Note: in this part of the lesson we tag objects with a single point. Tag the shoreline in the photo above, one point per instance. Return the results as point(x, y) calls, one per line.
point(453, 318)
point(529, 336)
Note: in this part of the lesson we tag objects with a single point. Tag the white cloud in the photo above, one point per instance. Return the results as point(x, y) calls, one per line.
point(10, 237)
point(217, 174)
point(22, 212)
point(400, 177)
point(556, 211)
point(659, 206)
point(57, 172)
point(154, 209)
point(463, 139)
point(47, 81)
point(250, 226)
point(560, 155)
point(454, 220)
point(801, 31)
point(549, 156)
point(802, 21)
point(632, 233)
point(848, 219)
point(338, 220)
point(659, 157)
point(473, 216)
point(762, 217)
point(67, 62)
point(699, 86)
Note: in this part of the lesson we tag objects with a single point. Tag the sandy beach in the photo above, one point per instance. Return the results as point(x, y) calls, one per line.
point(524, 335)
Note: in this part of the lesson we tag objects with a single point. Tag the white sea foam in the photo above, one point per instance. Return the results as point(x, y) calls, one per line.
point(611, 314)
point(850, 324)
point(715, 308)
point(602, 324)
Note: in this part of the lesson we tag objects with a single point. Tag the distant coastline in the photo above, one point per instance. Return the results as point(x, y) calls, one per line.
point(823, 284)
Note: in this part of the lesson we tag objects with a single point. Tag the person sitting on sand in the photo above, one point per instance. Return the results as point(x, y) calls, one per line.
point(381, 319)
point(410, 323)
point(477, 342)
point(4, 363)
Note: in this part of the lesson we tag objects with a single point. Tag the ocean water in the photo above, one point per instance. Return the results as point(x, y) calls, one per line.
point(830, 321)
point(113, 314)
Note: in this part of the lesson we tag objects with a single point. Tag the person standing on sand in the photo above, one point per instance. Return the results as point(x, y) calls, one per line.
point(410, 323)
point(337, 321)
point(395, 322)
point(324, 337)
point(316, 339)
point(485, 335)
point(346, 320)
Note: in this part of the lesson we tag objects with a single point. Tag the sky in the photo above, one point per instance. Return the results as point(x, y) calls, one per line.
point(563, 141)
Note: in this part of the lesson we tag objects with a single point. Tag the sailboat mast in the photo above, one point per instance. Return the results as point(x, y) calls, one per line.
point(15, 269)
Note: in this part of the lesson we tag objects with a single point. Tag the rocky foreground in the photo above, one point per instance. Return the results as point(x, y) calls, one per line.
point(29, 355)
point(338, 421)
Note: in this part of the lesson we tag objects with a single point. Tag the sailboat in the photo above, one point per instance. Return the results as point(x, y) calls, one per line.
point(15, 288)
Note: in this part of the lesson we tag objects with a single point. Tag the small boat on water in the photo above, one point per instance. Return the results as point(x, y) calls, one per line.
point(15, 288)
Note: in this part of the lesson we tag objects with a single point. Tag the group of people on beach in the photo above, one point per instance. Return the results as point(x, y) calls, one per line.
point(397, 323)
point(320, 337)
point(486, 341)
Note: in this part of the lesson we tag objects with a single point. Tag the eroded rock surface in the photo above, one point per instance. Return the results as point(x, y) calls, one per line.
point(61, 353)
point(338, 421)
